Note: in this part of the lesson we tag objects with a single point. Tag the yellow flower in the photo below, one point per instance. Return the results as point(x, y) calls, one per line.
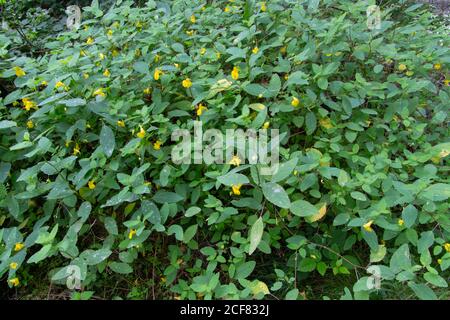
point(121, 123)
point(409, 73)
point(200, 109)
point(91, 185)
point(286, 77)
point(227, 9)
point(19, 72)
point(235, 73)
point(90, 40)
point(266, 125)
point(437, 66)
point(163, 280)
point(59, 84)
point(295, 102)
point(202, 51)
point(447, 247)
point(147, 90)
point(115, 52)
point(447, 82)
point(131, 234)
point(13, 265)
point(236, 189)
point(402, 67)
point(28, 104)
point(109, 33)
point(218, 55)
point(401, 222)
point(106, 73)
point(14, 282)
point(44, 83)
point(368, 226)
point(176, 65)
point(99, 92)
point(30, 124)
point(76, 149)
point(235, 161)
point(187, 83)
point(101, 56)
point(263, 7)
point(157, 74)
point(193, 20)
point(190, 32)
point(82, 53)
point(283, 50)
point(141, 133)
point(18, 246)
point(255, 50)
point(157, 145)
point(85, 75)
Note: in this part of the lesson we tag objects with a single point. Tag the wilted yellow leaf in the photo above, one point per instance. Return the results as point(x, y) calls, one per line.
point(260, 287)
point(319, 215)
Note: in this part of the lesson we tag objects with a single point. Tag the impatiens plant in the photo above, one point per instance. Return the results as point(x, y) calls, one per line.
point(90, 194)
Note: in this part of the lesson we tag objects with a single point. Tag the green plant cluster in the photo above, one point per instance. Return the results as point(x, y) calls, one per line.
point(361, 195)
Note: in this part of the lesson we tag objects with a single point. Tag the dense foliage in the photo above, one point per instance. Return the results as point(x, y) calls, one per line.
point(361, 197)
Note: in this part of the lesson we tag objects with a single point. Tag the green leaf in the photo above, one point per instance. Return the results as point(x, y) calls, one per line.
point(358, 196)
point(232, 178)
point(321, 268)
point(177, 230)
point(311, 123)
point(94, 257)
point(107, 140)
point(409, 215)
point(274, 86)
point(40, 255)
point(422, 291)
point(401, 259)
point(255, 235)
point(192, 211)
point(322, 83)
point(111, 226)
point(276, 195)
point(307, 265)
point(303, 208)
point(190, 233)
point(120, 267)
point(284, 170)
point(244, 270)
point(254, 89)
point(437, 192)
point(435, 280)
point(378, 255)
point(6, 124)
point(292, 294)
point(76, 102)
point(166, 197)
